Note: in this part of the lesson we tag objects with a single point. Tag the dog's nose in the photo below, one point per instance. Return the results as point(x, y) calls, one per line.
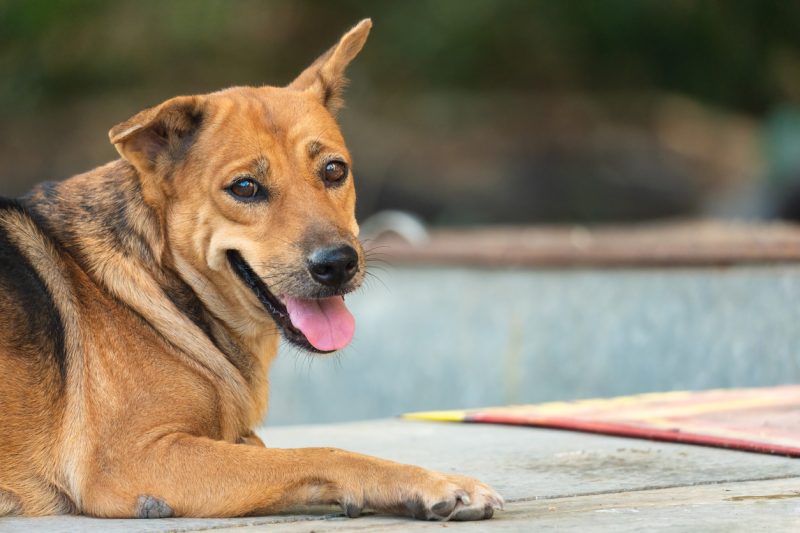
point(333, 266)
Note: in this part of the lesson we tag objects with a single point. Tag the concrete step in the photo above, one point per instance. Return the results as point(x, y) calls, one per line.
point(562, 480)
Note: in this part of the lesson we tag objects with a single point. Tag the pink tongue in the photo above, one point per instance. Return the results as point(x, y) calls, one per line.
point(326, 323)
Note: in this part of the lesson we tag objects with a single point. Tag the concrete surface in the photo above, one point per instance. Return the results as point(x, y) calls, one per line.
point(451, 338)
point(552, 480)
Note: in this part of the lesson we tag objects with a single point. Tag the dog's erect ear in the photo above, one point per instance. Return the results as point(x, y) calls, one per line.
point(325, 77)
point(155, 138)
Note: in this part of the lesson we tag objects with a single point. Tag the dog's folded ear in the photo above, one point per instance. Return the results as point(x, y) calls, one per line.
point(155, 138)
point(325, 77)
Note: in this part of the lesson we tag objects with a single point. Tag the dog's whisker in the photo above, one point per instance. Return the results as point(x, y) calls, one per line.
point(373, 277)
point(378, 251)
point(376, 255)
point(379, 267)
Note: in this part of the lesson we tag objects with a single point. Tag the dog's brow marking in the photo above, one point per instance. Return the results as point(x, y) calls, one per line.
point(261, 166)
point(314, 148)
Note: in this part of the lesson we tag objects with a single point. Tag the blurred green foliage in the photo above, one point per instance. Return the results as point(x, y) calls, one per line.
point(743, 54)
point(577, 110)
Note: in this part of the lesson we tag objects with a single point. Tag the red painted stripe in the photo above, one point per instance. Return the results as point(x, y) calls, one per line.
point(623, 430)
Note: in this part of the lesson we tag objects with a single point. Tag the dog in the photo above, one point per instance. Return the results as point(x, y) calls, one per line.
point(142, 303)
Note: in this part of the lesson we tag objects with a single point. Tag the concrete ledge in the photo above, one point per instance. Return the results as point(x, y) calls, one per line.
point(698, 243)
point(551, 479)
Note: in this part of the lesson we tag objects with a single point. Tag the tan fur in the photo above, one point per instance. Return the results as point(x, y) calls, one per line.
point(133, 386)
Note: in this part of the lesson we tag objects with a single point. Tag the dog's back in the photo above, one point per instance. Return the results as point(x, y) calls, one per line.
point(32, 362)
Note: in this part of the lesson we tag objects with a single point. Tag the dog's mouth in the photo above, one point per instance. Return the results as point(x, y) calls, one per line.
point(321, 325)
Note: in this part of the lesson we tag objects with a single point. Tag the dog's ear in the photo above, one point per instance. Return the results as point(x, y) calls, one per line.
point(325, 77)
point(154, 139)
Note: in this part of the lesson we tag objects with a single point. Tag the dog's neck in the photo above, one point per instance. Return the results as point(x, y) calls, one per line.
point(99, 213)
point(102, 220)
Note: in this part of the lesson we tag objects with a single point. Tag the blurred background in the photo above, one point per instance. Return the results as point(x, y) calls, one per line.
point(461, 111)
point(469, 114)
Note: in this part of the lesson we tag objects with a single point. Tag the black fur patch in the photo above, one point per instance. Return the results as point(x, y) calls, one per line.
point(37, 329)
point(41, 205)
point(11, 205)
point(112, 215)
point(329, 93)
point(189, 304)
point(187, 301)
point(104, 214)
point(50, 190)
point(180, 130)
point(152, 507)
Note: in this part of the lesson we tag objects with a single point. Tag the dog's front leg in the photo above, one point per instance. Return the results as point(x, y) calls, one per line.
point(183, 475)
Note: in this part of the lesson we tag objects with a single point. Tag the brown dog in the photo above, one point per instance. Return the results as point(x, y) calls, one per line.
point(141, 305)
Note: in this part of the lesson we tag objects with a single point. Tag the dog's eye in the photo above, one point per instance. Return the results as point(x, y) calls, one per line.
point(334, 172)
point(247, 189)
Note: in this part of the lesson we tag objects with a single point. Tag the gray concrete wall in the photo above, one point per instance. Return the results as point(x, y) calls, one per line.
point(443, 338)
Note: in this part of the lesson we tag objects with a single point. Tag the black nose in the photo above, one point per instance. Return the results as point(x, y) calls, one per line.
point(333, 266)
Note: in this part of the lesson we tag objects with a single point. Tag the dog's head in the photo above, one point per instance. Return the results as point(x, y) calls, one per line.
point(254, 188)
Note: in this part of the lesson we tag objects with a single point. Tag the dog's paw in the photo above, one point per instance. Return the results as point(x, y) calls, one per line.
point(427, 495)
point(456, 498)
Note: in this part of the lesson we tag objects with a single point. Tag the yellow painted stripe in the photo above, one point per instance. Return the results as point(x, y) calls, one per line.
point(438, 416)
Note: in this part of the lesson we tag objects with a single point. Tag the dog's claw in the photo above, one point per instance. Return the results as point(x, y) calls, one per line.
point(499, 503)
point(472, 513)
point(352, 510)
point(444, 508)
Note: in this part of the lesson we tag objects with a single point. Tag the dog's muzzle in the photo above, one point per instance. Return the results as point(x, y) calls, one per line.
point(320, 325)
